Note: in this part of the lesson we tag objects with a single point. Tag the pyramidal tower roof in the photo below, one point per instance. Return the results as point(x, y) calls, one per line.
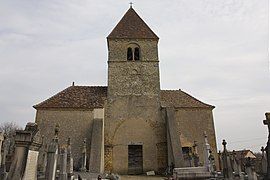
point(131, 26)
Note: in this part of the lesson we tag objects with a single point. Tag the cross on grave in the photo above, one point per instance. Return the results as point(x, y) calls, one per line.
point(267, 122)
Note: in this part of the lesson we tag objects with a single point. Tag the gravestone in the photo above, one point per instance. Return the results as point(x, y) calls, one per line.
point(24, 164)
point(63, 164)
point(52, 155)
point(250, 171)
point(267, 149)
point(5, 146)
point(226, 163)
point(206, 152)
point(212, 166)
point(1, 142)
point(69, 161)
point(263, 163)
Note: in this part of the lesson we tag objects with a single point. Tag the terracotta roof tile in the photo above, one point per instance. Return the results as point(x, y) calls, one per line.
point(131, 26)
point(88, 97)
point(76, 97)
point(178, 98)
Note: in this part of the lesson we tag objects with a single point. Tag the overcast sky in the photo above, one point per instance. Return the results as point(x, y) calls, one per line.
point(216, 50)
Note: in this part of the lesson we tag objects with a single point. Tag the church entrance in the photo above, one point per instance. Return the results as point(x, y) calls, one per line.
point(135, 159)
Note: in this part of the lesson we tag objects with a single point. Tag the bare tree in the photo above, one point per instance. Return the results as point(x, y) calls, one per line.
point(9, 129)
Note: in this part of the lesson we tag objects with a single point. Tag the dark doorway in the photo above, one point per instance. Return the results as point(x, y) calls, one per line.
point(135, 159)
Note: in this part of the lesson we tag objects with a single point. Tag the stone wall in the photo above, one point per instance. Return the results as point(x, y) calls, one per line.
point(132, 112)
point(192, 122)
point(74, 123)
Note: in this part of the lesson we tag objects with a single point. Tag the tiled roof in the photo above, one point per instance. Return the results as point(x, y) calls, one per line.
point(178, 98)
point(131, 26)
point(87, 97)
point(244, 154)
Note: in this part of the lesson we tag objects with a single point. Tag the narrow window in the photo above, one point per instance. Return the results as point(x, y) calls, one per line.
point(129, 54)
point(137, 54)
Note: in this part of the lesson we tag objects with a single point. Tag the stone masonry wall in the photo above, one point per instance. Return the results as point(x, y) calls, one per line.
point(76, 124)
point(132, 112)
point(192, 122)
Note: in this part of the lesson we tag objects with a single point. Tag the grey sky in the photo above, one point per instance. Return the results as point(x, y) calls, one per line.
point(216, 50)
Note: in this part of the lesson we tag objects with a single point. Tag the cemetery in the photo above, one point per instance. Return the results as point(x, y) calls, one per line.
point(57, 161)
point(129, 129)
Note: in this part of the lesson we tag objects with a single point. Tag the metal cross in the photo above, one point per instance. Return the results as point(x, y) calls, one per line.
point(131, 4)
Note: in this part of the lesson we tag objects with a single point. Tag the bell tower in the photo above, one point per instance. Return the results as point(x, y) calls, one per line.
point(133, 67)
point(135, 134)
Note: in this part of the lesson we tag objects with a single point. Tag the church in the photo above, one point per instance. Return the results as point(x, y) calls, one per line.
point(131, 126)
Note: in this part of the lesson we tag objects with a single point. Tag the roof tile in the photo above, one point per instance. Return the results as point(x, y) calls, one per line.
point(131, 26)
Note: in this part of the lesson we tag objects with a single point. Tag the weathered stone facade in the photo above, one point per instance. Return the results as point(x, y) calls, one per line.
point(73, 123)
point(133, 104)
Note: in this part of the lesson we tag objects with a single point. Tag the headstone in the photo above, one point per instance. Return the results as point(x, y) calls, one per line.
point(250, 171)
point(24, 164)
point(3, 173)
point(212, 166)
point(206, 152)
point(226, 163)
point(63, 164)
point(1, 142)
point(69, 161)
point(220, 160)
point(84, 156)
point(267, 149)
point(52, 155)
point(236, 166)
point(263, 163)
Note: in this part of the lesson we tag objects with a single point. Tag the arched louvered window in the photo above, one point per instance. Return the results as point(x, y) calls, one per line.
point(136, 54)
point(133, 52)
point(129, 54)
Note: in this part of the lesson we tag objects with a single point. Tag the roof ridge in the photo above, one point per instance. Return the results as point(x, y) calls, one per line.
point(132, 26)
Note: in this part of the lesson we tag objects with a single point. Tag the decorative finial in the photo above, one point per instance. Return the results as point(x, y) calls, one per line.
point(73, 83)
point(224, 143)
point(130, 4)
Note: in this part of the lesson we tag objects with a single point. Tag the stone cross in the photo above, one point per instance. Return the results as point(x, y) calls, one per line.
point(84, 156)
point(206, 152)
point(212, 166)
point(69, 160)
point(63, 164)
point(226, 162)
point(264, 162)
point(52, 155)
point(267, 149)
point(235, 164)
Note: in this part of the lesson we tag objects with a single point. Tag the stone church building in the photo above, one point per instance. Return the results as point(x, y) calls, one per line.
point(131, 125)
